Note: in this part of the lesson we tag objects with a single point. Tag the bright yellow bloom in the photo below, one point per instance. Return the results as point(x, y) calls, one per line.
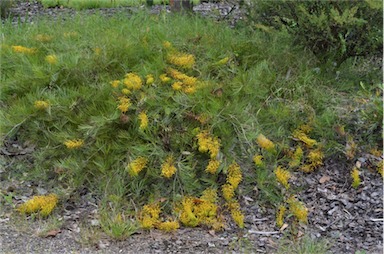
point(143, 120)
point(164, 78)
point(228, 191)
point(149, 79)
point(177, 86)
point(355, 174)
point(305, 128)
point(149, 216)
point(43, 38)
point(212, 167)
point(265, 143)
point(258, 160)
point(234, 176)
point(42, 204)
point(24, 50)
point(207, 143)
point(298, 209)
point(182, 60)
point(316, 158)
point(168, 169)
point(115, 83)
point(209, 195)
point(300, 135)
point(125, 91)
point(297, 157)
point(136, 166)
point(168, 225)
point(74, 144)
point(280, 216)
point(282, 176)
point(51, 59)
point(124, 104)
point(189, 89)
point(380, 168)
point(41, 105)
point(132, 81)
point(187, 80)
point(187, 217)
point(238, 217)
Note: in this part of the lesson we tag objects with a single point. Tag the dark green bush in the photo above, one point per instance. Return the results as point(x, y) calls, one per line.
point(332, 30)
point(4, 7)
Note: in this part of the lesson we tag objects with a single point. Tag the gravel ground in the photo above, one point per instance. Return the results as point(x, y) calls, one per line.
point(350, 219)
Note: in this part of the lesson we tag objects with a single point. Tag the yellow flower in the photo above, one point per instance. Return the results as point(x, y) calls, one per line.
point(376, 152)
point(298, 209)
point(168, 225)
point(189, 89)
point(316, 158)
point(223, 61)
point(187, 80)
point(136, 166)
point(43, 38)
point(280, 216)
point(228, 191)
point(307, 168)
point(212, 167)
point(300, 135)
point(164, 79)
point(209, 195)
point(177, 86)
point(258, 160)
point(42, 204)
point(238, 217)
point(24, 50)
point(125, 91)
point(167, 45)
point(143, 120)
point(265, 143)
point(150, 79)
point(149, 216)
point(380, 168)
point(132, 81)
point(168, 169)
point(355, 177)
point(41, 105)
point(296, 158)
point(74, 144)
point(305, 128)
point(234, 176)
point(182, 60)
point(207, 143)
point(187, 217)
point(51, 59)
point(124, 104)
point(115, 83)
point(282, 176)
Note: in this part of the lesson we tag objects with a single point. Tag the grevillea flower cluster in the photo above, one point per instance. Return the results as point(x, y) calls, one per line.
point(298, 209)
point(265, 143)
point(51, 59)
point(234, 177)
point(168, 168)
point(236, 214)
point(24, 50)
point(132, 81)
point(213, 166)
point(42, 204)
point(124, 104)
point(185, 83)
point(150, 216)
point(282, 176)
point(143, 118)
point(355, 174)
point(136, 166)
point(280, 216)
point(296, 157)
point(182, 60)
point(258, 160)
point(74, 143)
point(208, 143)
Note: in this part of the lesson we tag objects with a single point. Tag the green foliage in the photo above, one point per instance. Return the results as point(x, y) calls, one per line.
point(332, 30)
point(5, 5)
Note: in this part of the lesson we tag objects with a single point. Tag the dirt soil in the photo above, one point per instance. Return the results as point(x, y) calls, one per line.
point(349, 219)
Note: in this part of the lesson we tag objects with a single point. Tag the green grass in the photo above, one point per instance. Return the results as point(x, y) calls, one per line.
point(89, 4)
point(267, 86)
